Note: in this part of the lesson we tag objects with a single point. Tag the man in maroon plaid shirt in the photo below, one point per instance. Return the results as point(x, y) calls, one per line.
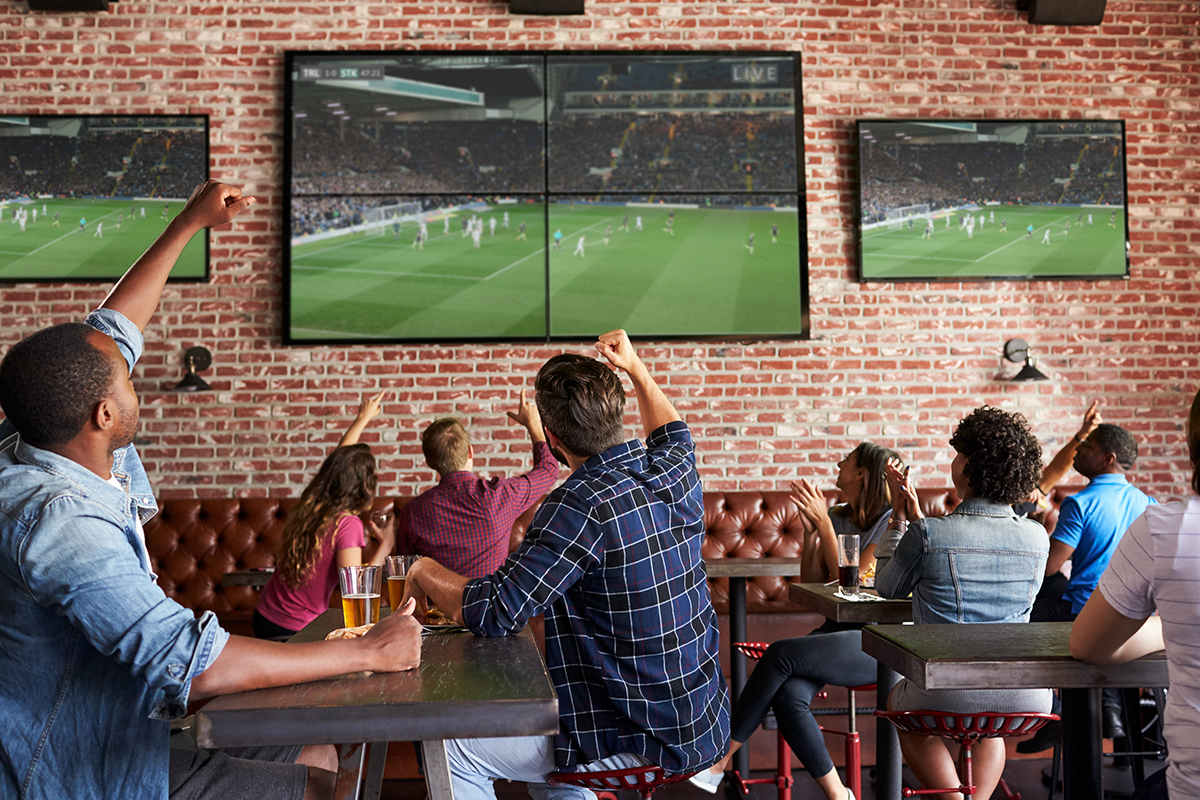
point(465, 522)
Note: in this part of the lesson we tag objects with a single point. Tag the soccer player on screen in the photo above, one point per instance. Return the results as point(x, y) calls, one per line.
point(445, 223)
point(82, 224)
point(1046, 237)
point(120, 217)
point(1112, 220)
point(637, 223)
point(1004, 224)
point(491, 226)
point(625, 224)
point(558, 237)
point(99, 230)
point(750, 244)
point(395, 227)
point(1029, 232)
point(775, 233)
point(53, 224)
point(579, 248)
point(477, 237)
point(166, 212)
point(505, 219)
point(607, 235)
point(928, 234)
point(521, 235)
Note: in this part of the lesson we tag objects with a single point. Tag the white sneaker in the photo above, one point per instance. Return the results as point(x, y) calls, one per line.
point(707, 780)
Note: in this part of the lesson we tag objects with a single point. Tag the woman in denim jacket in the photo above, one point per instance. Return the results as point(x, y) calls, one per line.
point(981, 563)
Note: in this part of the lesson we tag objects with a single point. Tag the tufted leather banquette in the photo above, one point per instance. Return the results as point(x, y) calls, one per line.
point(192, 543)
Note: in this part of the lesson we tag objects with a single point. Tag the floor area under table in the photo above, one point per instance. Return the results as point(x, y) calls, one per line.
point(1029, 776)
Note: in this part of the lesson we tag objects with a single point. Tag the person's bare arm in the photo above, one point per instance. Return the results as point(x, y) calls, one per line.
point(811, 503)
point(429, 579)
point(392, 645)
point(655, 408)
point(1102, 635)
point(1060, 465)
point(368, 410)
point(528, 417)
point(1059, 553)
point(137, 294)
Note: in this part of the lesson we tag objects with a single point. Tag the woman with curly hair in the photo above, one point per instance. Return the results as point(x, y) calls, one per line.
point(322, 533)
point(794, 670)
point(980, 563)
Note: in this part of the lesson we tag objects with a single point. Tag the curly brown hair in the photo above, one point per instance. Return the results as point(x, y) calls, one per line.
point(345, 483)
point(1004, 459)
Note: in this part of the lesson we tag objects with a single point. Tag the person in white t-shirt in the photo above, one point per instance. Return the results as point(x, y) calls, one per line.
point(1157, 568)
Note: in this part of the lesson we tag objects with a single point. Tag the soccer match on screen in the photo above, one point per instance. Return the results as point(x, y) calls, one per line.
point(519, 197)
point(81, 197)
point(963, 200)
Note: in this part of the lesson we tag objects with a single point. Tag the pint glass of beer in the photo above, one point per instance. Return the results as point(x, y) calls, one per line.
point(397, 575)
point(848, 563)
point(360, 594)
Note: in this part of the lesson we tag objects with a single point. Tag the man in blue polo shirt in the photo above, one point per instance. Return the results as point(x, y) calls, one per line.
point(1090, 524)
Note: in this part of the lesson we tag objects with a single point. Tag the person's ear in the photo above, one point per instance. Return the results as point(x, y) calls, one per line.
point(105, 414)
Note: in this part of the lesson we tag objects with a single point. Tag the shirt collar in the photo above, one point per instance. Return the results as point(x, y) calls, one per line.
point(1108, 477)
point(87, 483)
point(983, 507)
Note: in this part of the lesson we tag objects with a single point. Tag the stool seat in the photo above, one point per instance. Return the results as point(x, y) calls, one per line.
point(967, 730)
point(643, 780)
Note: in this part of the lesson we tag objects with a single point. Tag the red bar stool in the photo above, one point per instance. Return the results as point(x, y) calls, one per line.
point(783, 779)
point(966, 729)
point(644, 780)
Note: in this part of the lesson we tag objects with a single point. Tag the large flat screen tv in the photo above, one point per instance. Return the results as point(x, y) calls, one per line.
point(81, 197)
point(458, 197)
point(959, 200)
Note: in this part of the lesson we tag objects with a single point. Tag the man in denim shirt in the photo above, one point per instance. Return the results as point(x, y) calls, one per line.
point(94, 658)
point(613, 560)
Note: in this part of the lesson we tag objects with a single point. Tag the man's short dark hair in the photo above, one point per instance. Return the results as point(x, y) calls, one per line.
point(581, 401)
point(446, 445)
point(1118, 441)
point(51, 380)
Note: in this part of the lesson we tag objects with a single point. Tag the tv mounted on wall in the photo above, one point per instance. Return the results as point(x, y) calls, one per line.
point(81, 197)
point(458, 197)
point(992, 199)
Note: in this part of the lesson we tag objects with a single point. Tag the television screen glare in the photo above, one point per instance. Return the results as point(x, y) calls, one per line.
point(440, 197)
point(978, 200)
point(82, 197)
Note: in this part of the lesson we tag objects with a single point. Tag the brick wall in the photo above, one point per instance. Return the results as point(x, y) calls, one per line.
point(897, 364)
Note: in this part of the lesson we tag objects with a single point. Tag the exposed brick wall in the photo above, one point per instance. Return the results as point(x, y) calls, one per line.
point(898, 364)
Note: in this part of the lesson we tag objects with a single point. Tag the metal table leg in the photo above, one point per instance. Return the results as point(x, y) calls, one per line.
point(737, 661)
point(437, 770)
point(887, 743)
point(351, 758)
point(1081, 757)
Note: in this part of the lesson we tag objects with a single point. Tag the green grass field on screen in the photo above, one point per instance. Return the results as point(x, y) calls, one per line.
point(1094, 250)
point(48, 252)
point(701, 281)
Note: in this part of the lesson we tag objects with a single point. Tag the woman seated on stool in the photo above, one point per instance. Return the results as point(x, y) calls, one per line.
point(981, 563)
point(793, 670)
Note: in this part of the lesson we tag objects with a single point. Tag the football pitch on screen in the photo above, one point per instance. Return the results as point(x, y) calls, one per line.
point(49, 252)
point(1075, 250)
point(703, 280)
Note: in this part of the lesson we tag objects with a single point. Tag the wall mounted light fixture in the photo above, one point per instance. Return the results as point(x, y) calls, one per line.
point(197, 359)
point(1016, 351)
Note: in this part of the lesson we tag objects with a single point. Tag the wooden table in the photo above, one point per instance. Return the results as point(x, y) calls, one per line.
point(737, 570)
point(823, 599)
point(256, 578)
point(467, 686)
point(1019, 656)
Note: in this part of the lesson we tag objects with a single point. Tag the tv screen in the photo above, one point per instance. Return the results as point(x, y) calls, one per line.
point(442, 197)
point(81, 197)
point(992, 199)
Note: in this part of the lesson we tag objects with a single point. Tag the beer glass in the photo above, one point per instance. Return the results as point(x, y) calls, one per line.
point(848, 563)
point(397, 574)
point(360, 594)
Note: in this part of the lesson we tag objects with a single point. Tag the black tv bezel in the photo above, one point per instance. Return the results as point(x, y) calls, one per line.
point(858, 209)
point(124, 267)
point(804, 332)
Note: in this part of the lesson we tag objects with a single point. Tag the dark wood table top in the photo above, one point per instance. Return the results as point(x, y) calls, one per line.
point(751, 567)
point(823, 599)
point(1002, 655)
point(466, 686)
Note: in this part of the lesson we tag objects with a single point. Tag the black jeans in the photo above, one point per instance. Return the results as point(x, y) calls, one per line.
point(787, 678)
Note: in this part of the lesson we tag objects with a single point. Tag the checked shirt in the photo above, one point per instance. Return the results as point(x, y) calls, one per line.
point(613, 560)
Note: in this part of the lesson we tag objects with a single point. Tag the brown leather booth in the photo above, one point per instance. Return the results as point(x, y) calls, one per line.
point(193, 542)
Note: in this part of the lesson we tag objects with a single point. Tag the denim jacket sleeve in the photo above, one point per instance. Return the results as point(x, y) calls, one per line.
point(898, 560)
point(75, 562)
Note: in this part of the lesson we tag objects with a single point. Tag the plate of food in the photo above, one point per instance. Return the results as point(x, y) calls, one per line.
point(437, 622)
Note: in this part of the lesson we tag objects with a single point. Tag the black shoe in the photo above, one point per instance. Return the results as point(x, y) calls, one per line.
point(1114, 728)
point(1046, 737)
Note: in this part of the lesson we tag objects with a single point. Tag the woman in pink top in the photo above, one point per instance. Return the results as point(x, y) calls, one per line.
point(322, 533)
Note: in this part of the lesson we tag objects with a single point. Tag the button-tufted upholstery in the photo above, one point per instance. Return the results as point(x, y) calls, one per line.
point(192, 543)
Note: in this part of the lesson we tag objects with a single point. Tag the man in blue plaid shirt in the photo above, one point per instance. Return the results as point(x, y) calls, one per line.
point(613, 560)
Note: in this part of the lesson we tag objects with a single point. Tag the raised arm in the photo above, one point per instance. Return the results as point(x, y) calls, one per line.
point(368, 410)
point(655, 408)
point(137, 294)
point(1060, 465)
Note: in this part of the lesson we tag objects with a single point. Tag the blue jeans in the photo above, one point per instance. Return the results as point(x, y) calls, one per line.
point(787, 678)
point(476, 763)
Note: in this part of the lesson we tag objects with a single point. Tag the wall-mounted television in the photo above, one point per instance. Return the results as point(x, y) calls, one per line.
point(81, 197)
point(956, 200)
point(459, 197)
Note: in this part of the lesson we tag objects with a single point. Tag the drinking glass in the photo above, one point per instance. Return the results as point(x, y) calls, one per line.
point(397, 574)
point(848, 563)
point(360, 594)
